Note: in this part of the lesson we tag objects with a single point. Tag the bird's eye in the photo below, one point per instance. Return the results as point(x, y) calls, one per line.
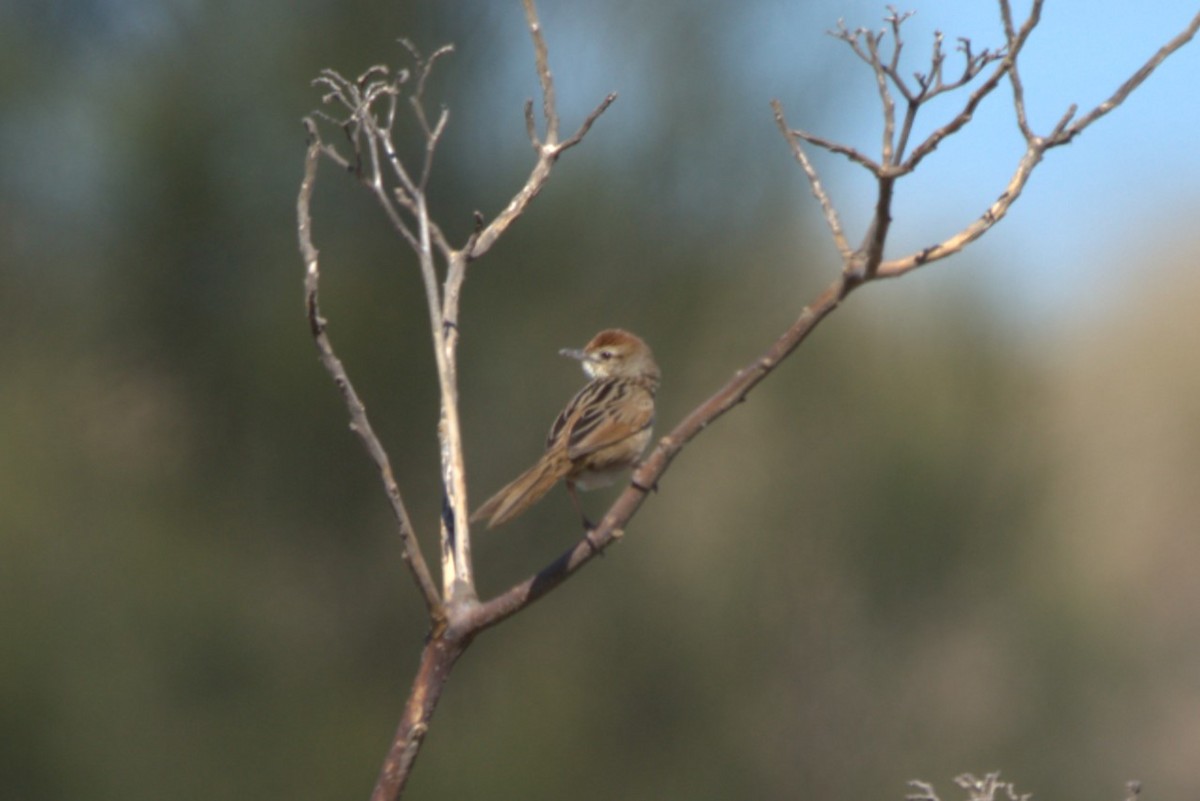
point(606, 354)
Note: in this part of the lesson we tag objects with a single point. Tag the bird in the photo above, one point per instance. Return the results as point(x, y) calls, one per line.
point(601, 432)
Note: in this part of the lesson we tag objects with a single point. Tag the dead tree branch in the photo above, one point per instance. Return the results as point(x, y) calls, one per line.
point(1035, 146)
point(368, 108)
point(367, 112)
point(359, 423)
point(859, 266)
point(867, 261)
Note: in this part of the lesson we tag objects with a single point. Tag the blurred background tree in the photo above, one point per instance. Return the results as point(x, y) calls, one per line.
point(957, 532)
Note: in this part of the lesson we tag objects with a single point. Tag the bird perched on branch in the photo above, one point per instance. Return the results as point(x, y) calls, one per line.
point(601, 432)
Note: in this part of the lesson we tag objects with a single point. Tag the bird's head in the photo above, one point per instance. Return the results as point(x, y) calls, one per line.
point(616, 353)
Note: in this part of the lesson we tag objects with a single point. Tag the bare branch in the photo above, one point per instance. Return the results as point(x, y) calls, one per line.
point(417, 102)
point(531, 127)
point(402, 196)
point(839, 148)
point(973, 64)
point(426, 68)
point(867, 258)
point(364, 131)
point(1036, 146)
point(548, 150)
point(1014, 74)
point(921, 791)
point(370, 130)
point(992, 215)
point(954, 125)
point(851, 38)
point(814, 181)
point(588, 121)
point(937, 59)
point(410, 548)
point(885, 96)
point(458, 578)
point(431, 142)
point(441, 652)
point(542, 61)
point(895, 19)
point(1015, 43)
point(1118, 97)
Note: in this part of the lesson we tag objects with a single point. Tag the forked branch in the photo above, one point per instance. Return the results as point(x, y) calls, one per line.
point(548, 148)
point(368, 110)
point(1035, 146)
point(359, 423)
point(995, 66)
point(860, 264)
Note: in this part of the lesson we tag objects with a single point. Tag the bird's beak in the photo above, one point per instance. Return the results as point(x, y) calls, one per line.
point(574, 353)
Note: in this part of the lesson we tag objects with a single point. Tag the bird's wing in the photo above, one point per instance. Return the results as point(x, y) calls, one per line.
point(603, 413)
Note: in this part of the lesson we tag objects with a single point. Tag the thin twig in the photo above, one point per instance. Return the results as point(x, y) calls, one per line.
point(1036, 146)
point(921, 791)
point(895, 19)
point(1012, 51)
point(587, 123)
point(1134, 81)
point(814, 181)
point(885, 98)
point(839, 148)
point(548, 149)
point(542, 61)
point(992, 215)
point(1014, 74)
point(410, 548)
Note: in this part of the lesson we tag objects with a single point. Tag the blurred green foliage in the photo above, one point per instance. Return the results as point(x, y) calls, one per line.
point(911, 554)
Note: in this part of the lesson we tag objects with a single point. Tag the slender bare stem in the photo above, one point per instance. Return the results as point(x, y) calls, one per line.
point(837, 147)
point(1036, 146)
point(814, 181)
point(885, 97)
point(977, 228)
point(1014, 75)
point(548, 149)
point(410, 551)
point(541, 56)
point(1134, 81)
point(1015, 43)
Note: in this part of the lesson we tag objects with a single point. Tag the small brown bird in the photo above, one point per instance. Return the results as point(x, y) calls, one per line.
point(603, 430)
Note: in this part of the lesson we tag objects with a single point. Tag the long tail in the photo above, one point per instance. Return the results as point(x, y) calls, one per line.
point(524, 491)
